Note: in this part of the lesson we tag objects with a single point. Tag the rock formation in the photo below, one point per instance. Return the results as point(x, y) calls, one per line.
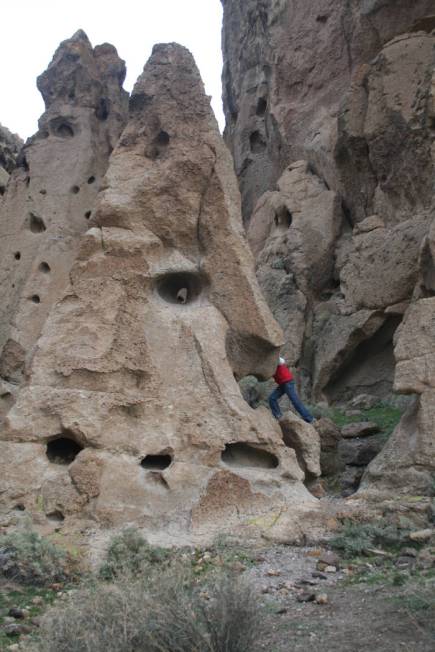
point(51, 194)
point(131, 412)
point(10, 145)
point(330, 118)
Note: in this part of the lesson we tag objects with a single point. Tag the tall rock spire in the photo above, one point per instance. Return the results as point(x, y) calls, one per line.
point(50, 196)
point(132, 412)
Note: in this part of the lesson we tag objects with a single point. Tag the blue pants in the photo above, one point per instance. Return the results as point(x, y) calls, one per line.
point(289, 389)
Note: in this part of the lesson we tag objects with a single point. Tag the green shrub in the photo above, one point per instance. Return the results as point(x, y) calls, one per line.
point(27, 558)
point(130, 554)
point(355, 538)
point(167, 611)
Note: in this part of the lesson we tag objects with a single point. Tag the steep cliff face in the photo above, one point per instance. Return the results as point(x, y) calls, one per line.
point(10, 145)
point(51, 194)
point(132, 412)
point(287, 65)
point(329, 109)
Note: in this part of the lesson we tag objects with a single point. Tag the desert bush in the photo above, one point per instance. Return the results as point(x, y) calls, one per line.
point(166, 612)
point(356, 538)
point(130, 554)
point(27, 558)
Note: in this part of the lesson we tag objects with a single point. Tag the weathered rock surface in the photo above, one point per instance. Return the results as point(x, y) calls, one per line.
point(348, 88)
point(52, 192)
point(132, 412)
point(304, 439)
point(10, 145)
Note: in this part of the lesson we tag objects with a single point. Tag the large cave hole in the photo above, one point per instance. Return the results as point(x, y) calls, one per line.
point(180, 287)
point(156, 462)
point(63, 450)
point(241, 454)
point(36, 224)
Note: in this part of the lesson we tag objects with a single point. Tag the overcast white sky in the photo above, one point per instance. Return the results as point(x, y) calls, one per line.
point(32, 30)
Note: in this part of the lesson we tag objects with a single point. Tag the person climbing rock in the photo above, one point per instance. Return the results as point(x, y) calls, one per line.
point(286, 385)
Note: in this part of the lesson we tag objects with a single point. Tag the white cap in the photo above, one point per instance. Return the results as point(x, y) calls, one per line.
point(281, 360)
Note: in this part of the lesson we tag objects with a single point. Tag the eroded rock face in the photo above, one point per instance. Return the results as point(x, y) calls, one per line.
point(51, 194)
point(132, 412)
point(348, 89)
point(10, 145)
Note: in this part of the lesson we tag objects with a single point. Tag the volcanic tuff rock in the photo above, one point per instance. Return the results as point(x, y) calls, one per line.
point(51, 194)
point(132, 411)
point(10, 145)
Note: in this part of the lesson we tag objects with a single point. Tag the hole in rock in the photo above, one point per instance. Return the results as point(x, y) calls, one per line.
point(42, 192)
point(20, 507)
point(17, 255)
point(102, 110)
point(75, 190)
point(88, 214)
point(283, 218)
point(91, 180)
point(22, 162)
point(63, 129)
point(63, 450)
point(36, 224)
point(28, 181)
point(322, 18)
point(241, 454)
point(35, 298)
point(156, 462)
point(2, 190)
point(56, 516)
point(44, 267)
point(257, 142)
point(162, 138)
point(180, 287)
point(261, 106)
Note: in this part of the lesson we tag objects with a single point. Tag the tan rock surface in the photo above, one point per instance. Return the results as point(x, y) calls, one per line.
point(51, 195)
point(134, 375)
point(304, 439)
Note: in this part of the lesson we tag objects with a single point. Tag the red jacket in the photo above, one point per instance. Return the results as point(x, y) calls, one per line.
point(282, 374)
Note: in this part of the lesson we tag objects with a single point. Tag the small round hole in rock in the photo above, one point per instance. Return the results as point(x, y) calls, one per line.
point(45, 268)
point(56, 516)
point(35, 298)
point(75, 190)
point(88, 214)
point(162, 138)
point(156, 462)
point(36, 224)
point(63, 450)
point(17, 255)
point(180, 287)
point(91, 180)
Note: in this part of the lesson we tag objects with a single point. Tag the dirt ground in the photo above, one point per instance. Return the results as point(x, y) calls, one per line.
point(358, 617)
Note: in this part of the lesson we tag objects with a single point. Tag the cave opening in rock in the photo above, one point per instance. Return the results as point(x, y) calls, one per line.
point(91, 180)
point(36, 224)
point(64, 130)
point(180, 287)
point(35, 298)
point(283, 218)
point(242, 454)
point(88, 214)
point(56, 516)
point(162, 138)
point(63, 450)
point(156, 462)
point(45, 268)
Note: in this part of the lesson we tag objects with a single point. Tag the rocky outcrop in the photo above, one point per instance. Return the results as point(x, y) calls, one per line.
point(51, 194)
point(132, 412)
point(10, 146)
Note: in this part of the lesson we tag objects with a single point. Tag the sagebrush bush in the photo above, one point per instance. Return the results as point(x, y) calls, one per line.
point(27, 558)
point(166, 612)
point(130, 554)
point(355, 538)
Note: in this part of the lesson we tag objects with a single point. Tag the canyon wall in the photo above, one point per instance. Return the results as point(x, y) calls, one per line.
point(329, 115)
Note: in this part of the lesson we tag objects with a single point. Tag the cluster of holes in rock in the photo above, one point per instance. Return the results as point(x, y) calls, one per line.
point(156, 462)
point(36, 224)
point(63, 450)
point(245, 455)
point(180, 287)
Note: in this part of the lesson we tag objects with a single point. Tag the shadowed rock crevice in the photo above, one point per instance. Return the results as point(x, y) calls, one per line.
point(63, 449)
point(245, 455)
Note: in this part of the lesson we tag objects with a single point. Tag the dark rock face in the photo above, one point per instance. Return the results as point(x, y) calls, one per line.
point(51, 194)
point(10, 145)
